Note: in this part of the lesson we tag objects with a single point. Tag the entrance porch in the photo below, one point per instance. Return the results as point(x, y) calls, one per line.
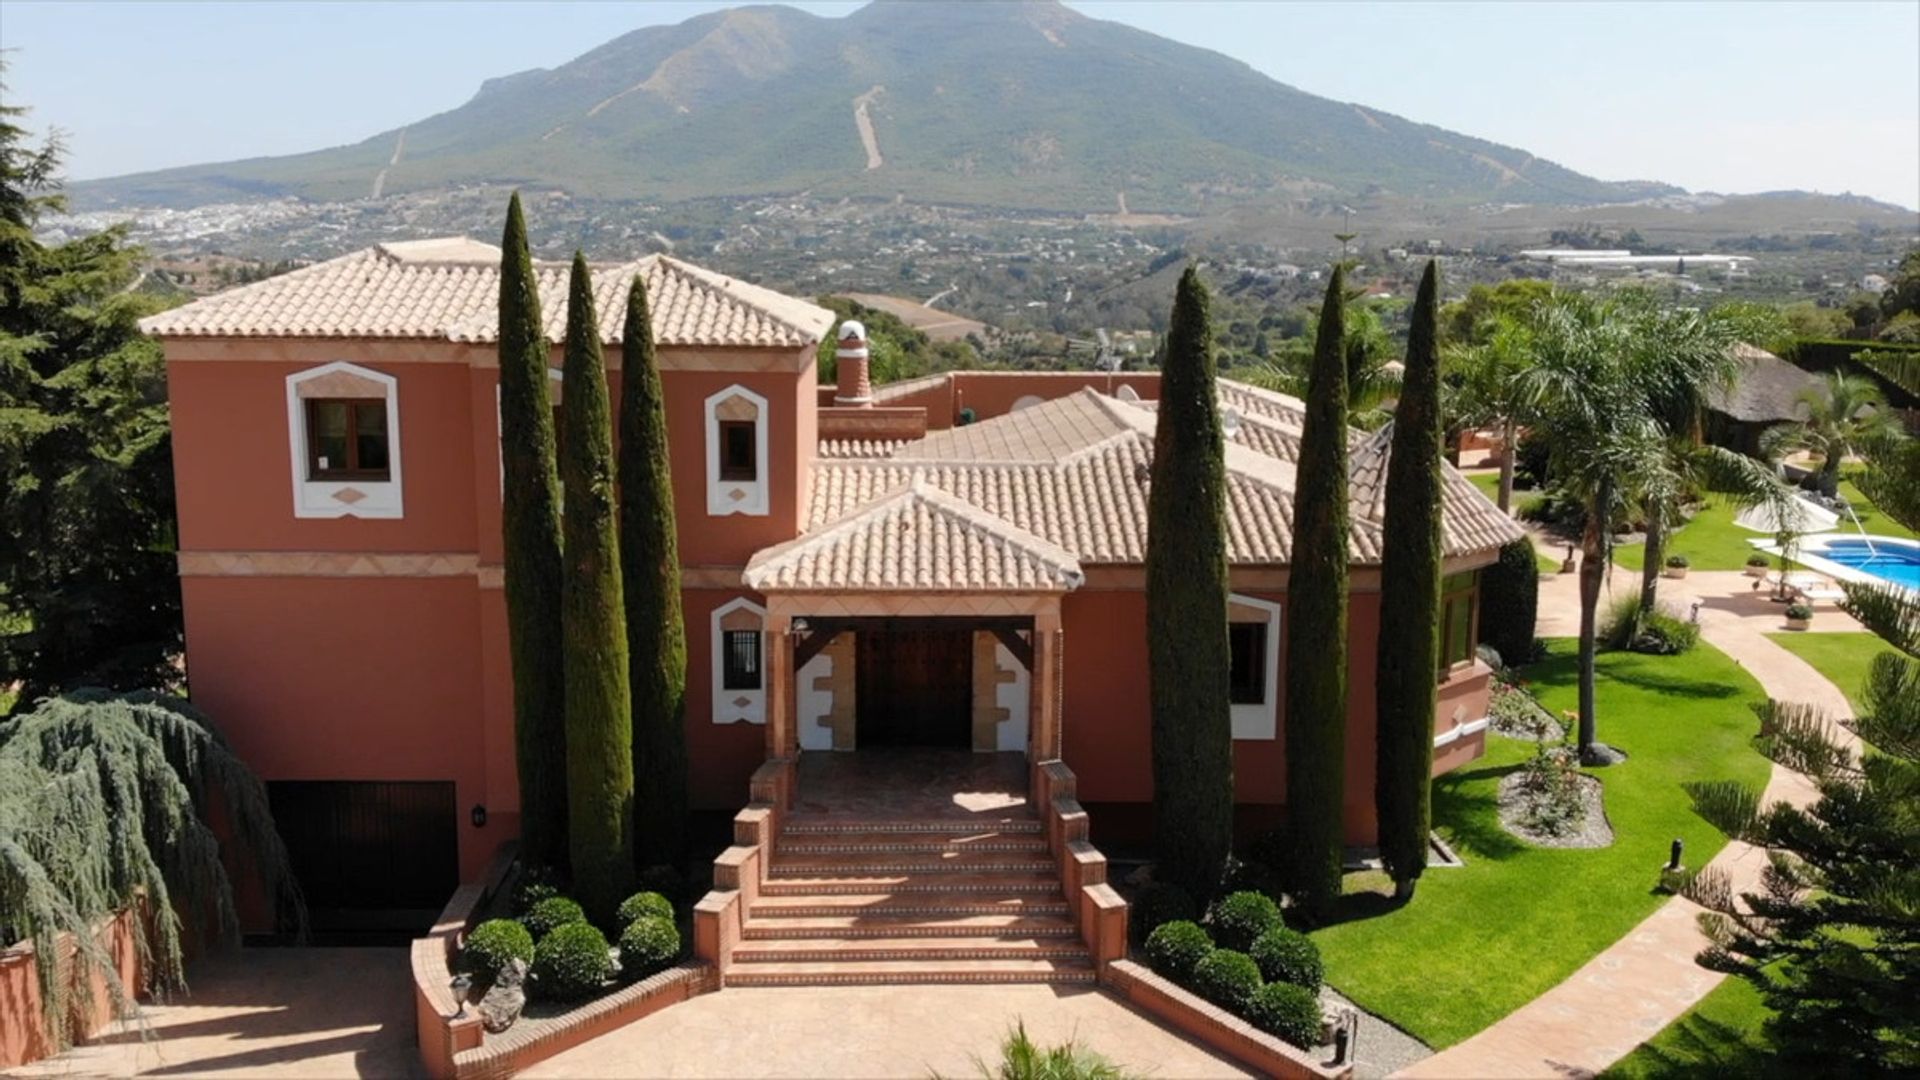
point(916, 784)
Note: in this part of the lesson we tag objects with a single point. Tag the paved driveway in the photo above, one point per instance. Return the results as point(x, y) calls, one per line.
point(269, 1013)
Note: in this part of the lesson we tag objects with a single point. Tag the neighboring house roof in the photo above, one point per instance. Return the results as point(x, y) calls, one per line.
point(448, 289)
point(1766, 389)
point(1073, 472)
point(917, 538)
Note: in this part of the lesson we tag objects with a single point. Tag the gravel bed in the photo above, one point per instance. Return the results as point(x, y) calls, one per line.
point(1594, 831)
point(1383, 1050)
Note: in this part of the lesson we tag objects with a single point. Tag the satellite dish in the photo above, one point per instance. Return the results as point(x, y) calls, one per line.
point(1230, 422)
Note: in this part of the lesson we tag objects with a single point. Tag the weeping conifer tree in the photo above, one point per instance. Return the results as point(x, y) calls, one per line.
point(593, 624)
point(104, 798)
point(1406, 691)
point(530, 519)
point(1186, 568)
point(650, 570)
point(1316, 719)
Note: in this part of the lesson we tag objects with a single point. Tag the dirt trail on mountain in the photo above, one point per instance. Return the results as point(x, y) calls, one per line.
point(380, 180)
point(865, 123)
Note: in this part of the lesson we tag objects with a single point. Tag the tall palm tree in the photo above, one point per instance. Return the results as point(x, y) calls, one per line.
point(1487, 392)
point(1844, 414)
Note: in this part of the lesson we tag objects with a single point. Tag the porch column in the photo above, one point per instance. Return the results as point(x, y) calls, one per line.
point(1044, 712)
point(782, 729)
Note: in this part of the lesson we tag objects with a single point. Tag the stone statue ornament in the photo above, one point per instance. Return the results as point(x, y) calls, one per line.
point(504, 1000)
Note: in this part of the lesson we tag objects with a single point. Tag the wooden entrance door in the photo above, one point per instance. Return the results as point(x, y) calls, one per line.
point(916, 688)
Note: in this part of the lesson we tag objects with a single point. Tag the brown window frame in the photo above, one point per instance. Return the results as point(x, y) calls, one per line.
point(1253, 691)
point(1468, 594)
point(736, 678)
point(351, 471)
point(742, 473)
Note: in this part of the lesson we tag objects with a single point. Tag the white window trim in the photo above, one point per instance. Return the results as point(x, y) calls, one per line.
point(753, 494)
point(554, 385)
point(1261, 722)
point(364, 498)
point(725, 709)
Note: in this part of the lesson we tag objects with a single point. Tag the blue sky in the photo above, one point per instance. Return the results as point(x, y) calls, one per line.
point(1721, 97)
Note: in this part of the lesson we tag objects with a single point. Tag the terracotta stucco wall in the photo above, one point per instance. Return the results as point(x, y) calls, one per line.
point(22, 1036)
point(723, 756)
point(348, 679)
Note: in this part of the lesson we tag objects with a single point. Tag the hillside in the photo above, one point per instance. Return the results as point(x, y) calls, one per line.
point(1027, 105)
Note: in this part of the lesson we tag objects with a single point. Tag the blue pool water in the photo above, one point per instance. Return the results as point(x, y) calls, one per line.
point(1898, 564)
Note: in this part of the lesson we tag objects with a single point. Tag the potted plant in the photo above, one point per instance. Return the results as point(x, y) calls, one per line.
point(1799, 616)
point(1677, 566)
point(1757, 565)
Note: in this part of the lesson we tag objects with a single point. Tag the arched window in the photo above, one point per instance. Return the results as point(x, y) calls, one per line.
point(343, 438)
point(739, 663)
point(737, 453)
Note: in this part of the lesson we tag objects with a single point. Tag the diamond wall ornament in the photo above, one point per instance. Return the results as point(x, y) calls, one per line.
point(742, 702)
point(349, 495)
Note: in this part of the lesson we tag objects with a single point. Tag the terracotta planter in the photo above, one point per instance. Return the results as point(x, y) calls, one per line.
point(1674, 572)
point(1757, 571)
point(1799, 624)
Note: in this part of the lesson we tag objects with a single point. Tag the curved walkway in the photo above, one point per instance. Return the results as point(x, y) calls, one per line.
point(1647, 979)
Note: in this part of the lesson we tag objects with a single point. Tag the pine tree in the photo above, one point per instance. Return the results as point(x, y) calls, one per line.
point(530, 518)
point(1316, 719)
point(1406, 693)
point(89, 588)
point(650, 568)
point(1186, 568)
point(593, 623)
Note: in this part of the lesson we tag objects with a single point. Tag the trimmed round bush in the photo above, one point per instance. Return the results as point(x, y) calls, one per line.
point(1174, 948)
point(1227, 978)
point(1678, 561)
point(532, 890)
point(1757, 559)
point(1286, 955)
point(644, 904)
point(1158, 903)
point(1288, 1012)
point(571, 963)
point(1241, 917)
point(492, 944)
point(648, 944)
point(548, 915)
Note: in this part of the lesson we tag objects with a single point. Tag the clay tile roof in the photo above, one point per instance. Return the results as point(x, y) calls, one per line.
point(448, 288)
point(1765, 389)
point(1073, 472)
point(916, 538)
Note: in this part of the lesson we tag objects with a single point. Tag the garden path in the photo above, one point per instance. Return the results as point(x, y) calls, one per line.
point(1647, 979)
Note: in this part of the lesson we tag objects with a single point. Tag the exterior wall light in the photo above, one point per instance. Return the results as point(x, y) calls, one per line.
point(479, 816)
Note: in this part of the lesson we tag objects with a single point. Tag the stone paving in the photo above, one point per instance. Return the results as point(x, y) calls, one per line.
point(1647, 979)
point(877, 1031)
point(269, 1013)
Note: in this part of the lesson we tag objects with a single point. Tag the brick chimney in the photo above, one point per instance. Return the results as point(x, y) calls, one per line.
point(855, 387)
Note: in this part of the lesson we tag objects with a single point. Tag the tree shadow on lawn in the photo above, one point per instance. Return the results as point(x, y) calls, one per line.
point(1639, 671)
point(1696, 1046)
point(1469, 813)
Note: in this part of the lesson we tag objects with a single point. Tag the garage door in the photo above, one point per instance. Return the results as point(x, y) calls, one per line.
point(374, 858)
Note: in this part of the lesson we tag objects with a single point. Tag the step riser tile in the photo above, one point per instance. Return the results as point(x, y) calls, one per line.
point(747, 977)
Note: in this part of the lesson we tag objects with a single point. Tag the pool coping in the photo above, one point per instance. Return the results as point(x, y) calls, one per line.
point(1808, 554)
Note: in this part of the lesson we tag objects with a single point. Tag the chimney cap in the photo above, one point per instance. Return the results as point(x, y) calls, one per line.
point(853, 330)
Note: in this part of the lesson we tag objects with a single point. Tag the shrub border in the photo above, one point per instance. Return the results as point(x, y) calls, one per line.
point(1214, 1026)
point(457, 1049)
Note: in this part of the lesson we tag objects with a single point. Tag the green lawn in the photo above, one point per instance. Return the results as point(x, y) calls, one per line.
point(1720, 1036)
point(1477, 943)
point(1713, 542)
point(1842, 657)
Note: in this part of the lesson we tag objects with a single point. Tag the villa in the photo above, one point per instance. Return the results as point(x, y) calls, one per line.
point(942, 575)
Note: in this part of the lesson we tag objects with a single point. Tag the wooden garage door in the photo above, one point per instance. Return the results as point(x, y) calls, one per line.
point(371, 856)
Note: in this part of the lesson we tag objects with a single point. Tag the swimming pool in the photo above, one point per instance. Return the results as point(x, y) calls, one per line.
point(1896, 562)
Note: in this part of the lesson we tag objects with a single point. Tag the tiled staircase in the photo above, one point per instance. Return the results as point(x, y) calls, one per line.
point(848, 900)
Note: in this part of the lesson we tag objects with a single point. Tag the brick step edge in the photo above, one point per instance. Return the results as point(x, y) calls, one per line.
point(929, 952)
point(911, 926)
point(932, 845)
point(801, 825)
point(889, 868)
point(906, 975)
point(893, 909)
point(896, 883)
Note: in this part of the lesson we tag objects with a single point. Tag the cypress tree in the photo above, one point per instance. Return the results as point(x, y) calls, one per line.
point(593, 624)
point(650, 568)
point(1316, 718)
point(530, 519)
point(1406, 692)
point(1510, 601)
point(1187, 608)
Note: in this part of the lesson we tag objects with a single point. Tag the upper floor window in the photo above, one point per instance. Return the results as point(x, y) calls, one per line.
point(738, 451)
point(347, 439)
point(343, 442)
point(1458, 619)
point(1247, 682)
